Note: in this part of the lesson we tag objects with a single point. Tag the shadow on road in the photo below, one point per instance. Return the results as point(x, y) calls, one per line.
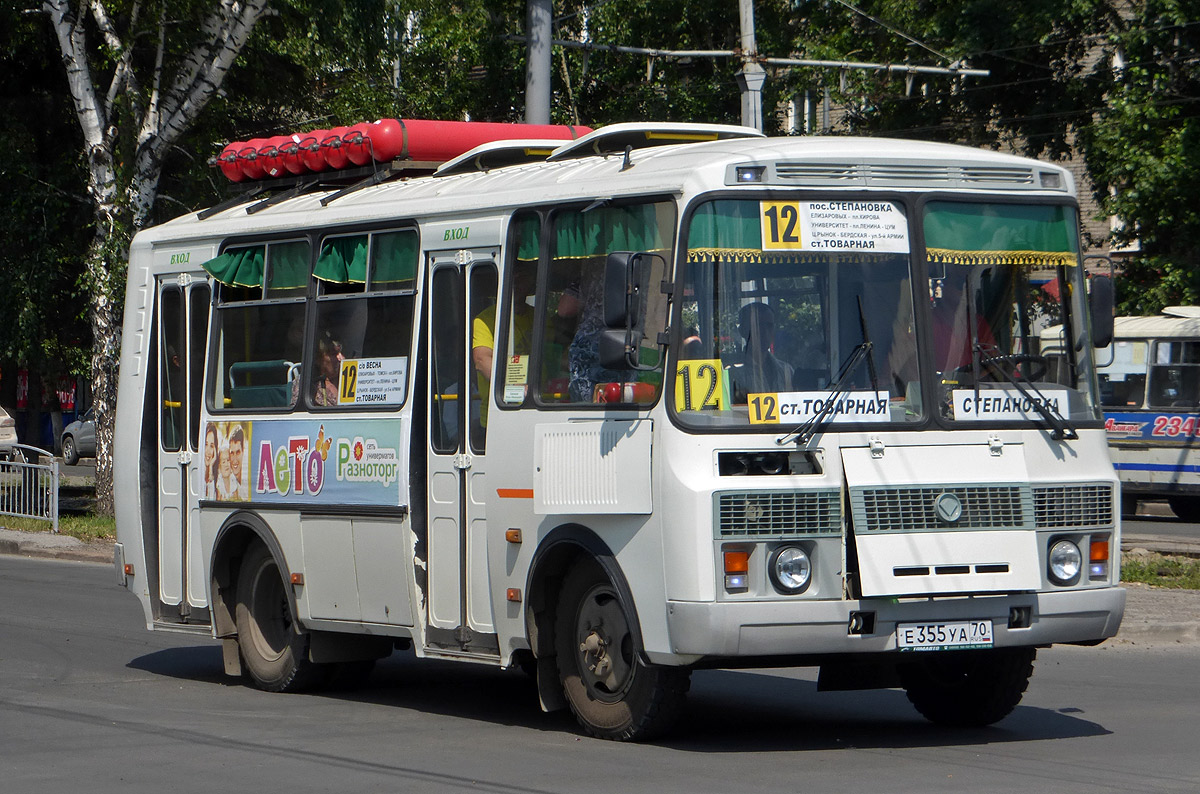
point(727, 711)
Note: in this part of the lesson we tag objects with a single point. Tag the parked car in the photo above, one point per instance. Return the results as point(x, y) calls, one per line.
point(8, 435)
point(79, 439)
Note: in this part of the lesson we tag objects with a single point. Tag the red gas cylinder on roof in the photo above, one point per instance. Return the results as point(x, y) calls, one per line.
point(357, 144)
point(271, 156)
point(440, 141)
point(227, 162)
point(248, 158)
point(289, 154)
point(331, 145)
point(311, 155)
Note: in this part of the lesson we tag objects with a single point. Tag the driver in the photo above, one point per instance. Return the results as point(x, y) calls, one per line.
point(952, 339)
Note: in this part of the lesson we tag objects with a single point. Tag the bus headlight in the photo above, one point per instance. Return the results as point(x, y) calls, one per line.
point(1066, 561)
point(790, 569)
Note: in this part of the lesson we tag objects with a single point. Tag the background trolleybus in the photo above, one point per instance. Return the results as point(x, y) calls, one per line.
point(1150, 394)
point(616, 408)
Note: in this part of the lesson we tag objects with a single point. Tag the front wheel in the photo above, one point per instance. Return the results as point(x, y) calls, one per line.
point(274, 654)
point(611, 691)
point(968, 689)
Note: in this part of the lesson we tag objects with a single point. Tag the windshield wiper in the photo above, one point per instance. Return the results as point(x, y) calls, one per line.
point(1061, 427)
point(840, 387)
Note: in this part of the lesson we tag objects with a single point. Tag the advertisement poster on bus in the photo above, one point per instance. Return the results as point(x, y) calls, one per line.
point(303, 462)
point(1146, 426)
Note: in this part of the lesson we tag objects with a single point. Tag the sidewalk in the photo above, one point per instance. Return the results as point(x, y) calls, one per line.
point(46, 544)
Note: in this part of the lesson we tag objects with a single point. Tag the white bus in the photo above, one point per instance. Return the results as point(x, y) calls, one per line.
point(1150, 394)
point(674, 397)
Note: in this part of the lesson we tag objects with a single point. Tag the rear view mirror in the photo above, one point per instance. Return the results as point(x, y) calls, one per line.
point(625, 293)
point(1100, 304)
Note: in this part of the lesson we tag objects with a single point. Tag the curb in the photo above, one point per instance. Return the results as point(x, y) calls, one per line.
point(50, 546)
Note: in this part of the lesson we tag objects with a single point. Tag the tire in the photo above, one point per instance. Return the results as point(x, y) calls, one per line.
point(968, 689)
point(611, 691)
point(1187, 508)
point(274, 654)
point(70, 453)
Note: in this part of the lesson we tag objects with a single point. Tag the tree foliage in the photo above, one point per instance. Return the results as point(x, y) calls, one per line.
point(1143, 152)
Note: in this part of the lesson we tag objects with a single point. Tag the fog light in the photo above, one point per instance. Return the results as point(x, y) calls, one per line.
point(1065, 562)
point(790, 569)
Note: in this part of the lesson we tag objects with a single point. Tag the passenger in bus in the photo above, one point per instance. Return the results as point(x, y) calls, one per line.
point(329, 358)
point(759, 370)
point(583, 354)
point(952, 338)
point(210, 462)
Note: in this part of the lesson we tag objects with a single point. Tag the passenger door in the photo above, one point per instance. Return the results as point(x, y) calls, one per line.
point(183, 316)
point(459, 605)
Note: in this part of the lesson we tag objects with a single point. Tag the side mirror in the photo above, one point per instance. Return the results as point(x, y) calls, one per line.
point(625, 277)
point(1100, 304)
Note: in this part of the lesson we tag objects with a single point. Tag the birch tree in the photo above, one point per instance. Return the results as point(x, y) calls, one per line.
point(139, 74)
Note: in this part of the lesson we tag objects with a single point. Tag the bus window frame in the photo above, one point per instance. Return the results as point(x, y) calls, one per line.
point(546, 215)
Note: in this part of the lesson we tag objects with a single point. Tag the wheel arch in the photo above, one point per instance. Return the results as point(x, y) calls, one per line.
point(239, 530)
point(558, 551)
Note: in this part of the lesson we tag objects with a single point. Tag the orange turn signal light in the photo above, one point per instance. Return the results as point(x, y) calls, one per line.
point(737, 561)
point(512, 535)
point(513, 594)
point(297, 578)
point(1098, 551)
point(129, 569)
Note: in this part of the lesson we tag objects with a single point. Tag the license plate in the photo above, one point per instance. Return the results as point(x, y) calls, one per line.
point(944, 636)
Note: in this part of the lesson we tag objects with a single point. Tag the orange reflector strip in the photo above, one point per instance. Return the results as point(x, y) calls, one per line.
point(129, 569)
point(513, 594)
point(297, 578)
point(737, 561)
point(1099, 551)
point(512, 535)
point(515, 493)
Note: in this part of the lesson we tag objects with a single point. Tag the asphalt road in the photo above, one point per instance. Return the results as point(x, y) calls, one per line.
point(90, 701)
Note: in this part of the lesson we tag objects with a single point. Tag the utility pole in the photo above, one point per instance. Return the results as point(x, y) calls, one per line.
point(752, 76)
point(537, 62)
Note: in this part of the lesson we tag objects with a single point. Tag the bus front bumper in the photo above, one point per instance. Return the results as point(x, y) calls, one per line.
point(779, 628)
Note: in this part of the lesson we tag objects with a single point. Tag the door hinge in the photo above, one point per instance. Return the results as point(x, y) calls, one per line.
point(995, 446)
point(185, 457)
point(876, 447)
point(462, 461)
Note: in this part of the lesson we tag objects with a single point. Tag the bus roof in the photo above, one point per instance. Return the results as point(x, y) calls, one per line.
point(825, 162)
point(1160, 326)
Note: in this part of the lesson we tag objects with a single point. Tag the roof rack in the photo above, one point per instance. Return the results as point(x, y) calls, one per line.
point(616, 138)
point(498, 154)
point(281, 189)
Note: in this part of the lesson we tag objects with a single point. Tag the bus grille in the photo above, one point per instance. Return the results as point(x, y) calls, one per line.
point(912, 509)
point(773, 514)
point(1073, 505)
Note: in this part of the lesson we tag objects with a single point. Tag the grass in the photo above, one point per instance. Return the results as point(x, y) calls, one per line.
point(1160, 570)
point(88, 528)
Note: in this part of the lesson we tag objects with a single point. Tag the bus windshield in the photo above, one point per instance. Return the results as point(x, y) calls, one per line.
point(802, 310)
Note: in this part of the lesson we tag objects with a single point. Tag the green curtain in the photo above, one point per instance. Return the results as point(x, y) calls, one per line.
point(394, 260)
point(239, 267)
point(987, 234)
point(582, 235)
point(528, 226)
point(731, 231)
point(288, 266)
point(343, 260)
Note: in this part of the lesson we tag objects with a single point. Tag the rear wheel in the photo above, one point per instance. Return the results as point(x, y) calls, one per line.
point(611, 691)
point(968, 689)
point(70, 453)
point(274, 654)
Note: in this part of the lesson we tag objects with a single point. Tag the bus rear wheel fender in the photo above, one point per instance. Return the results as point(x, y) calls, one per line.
point(274, 651)
point(613, 692)
point(968, 689)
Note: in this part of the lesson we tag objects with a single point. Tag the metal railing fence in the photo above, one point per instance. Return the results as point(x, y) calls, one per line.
point(28, 487)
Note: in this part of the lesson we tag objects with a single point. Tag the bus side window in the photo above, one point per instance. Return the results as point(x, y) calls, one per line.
point(364, 309)
point(260, 317)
